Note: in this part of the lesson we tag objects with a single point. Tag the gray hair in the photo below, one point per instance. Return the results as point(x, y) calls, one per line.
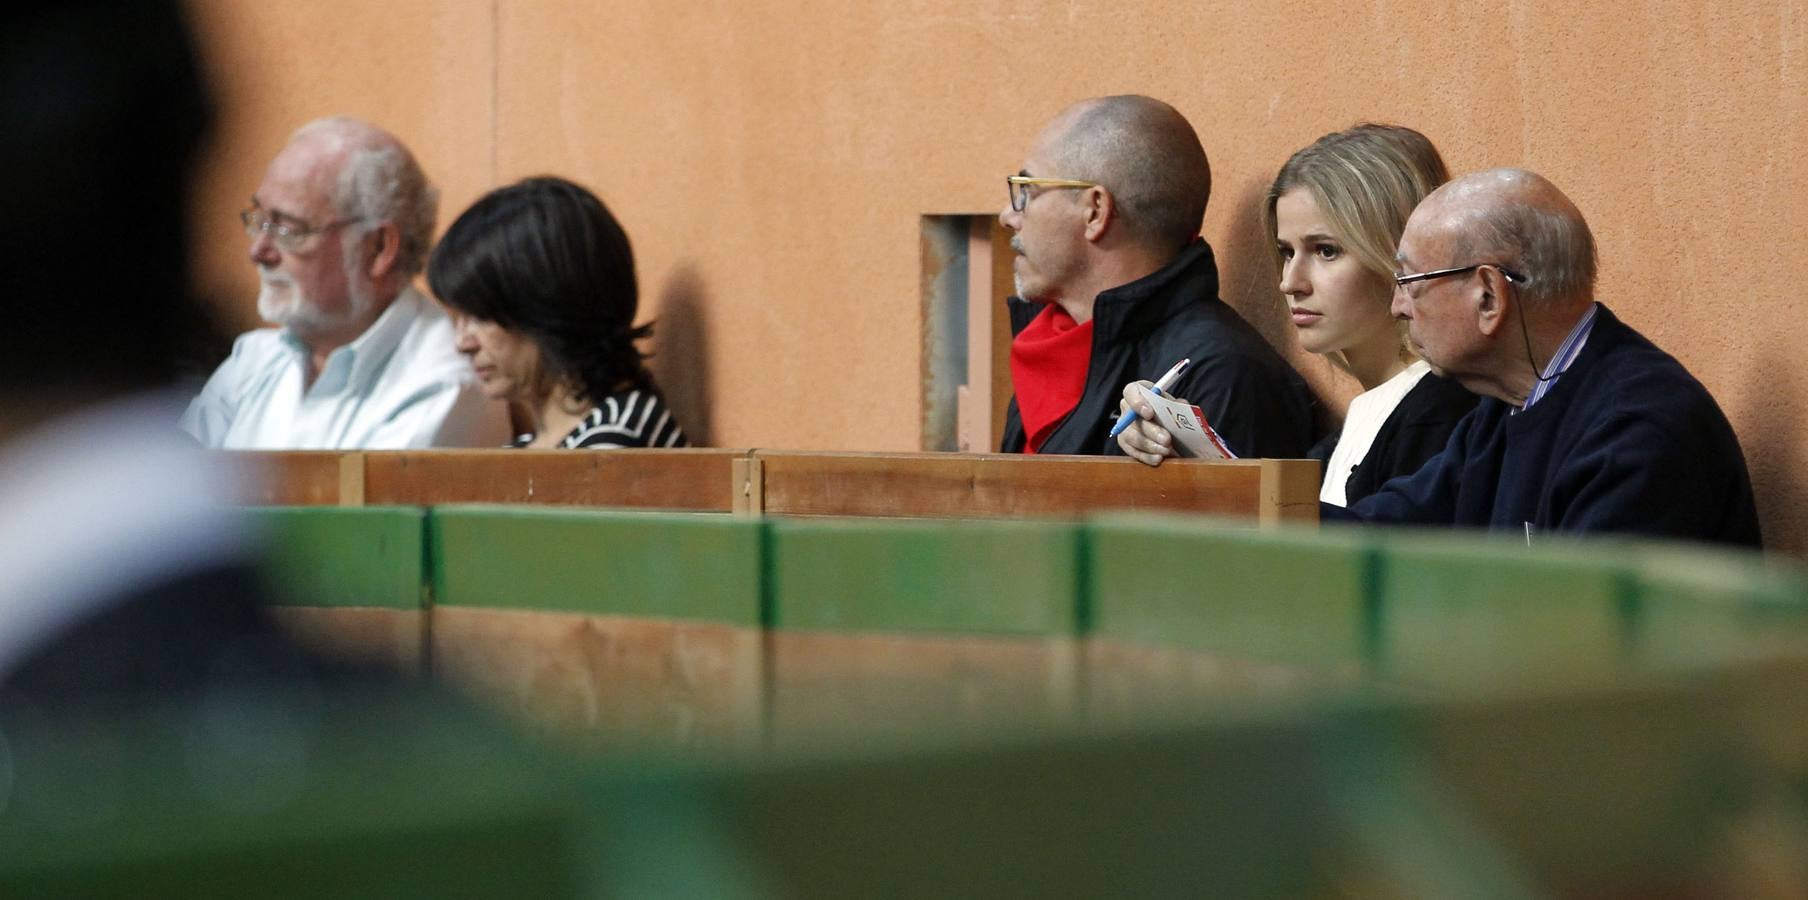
point(1149, 157)
point(380, 181)
point(1547, 243)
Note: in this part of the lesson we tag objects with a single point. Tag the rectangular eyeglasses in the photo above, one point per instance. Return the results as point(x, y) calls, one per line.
point(1019, 186)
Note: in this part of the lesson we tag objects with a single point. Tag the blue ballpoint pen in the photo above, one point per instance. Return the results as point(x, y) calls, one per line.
point(1161, 384)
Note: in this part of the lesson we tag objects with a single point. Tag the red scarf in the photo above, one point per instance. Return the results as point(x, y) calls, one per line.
point(1049, 359)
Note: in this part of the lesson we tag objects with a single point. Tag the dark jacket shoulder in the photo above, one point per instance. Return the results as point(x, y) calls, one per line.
point(1255, 400)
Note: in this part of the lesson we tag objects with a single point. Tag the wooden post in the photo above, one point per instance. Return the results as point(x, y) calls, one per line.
point(1289, 492)
point(351, 479)
point(749, 486)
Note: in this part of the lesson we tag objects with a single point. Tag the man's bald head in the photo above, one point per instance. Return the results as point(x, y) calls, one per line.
point(373, 178)
point(1518, 219)
point(1146, 154)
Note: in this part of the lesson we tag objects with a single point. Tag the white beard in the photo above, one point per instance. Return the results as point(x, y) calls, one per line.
point(279, 301)
point(282, 302)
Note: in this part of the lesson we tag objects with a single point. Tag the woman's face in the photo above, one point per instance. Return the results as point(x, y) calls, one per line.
point(1335, 303)
point(507, 362)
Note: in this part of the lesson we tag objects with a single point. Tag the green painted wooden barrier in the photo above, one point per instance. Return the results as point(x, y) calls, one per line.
point(1276, 595)
point(889, 627)
point(616, 629)
point(1457, 610)
point(1421, 608)
point(952, 577)
point(350, 582)
point(1593, 718)
point(345, 556)
point(667, 565)
point(1704, 607)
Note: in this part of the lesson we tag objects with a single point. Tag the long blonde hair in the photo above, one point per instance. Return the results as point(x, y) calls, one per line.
point(1366, 181)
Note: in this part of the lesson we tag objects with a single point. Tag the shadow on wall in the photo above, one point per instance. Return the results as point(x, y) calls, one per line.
point(1771, 444)
point(680, 360)
point(1246, 280)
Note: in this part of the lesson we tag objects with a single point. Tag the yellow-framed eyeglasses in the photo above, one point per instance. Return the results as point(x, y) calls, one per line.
point(1019, 187)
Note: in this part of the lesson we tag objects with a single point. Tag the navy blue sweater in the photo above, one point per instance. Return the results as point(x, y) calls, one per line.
point(1626, 441)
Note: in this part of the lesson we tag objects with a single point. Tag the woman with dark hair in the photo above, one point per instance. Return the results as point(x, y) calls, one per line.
point(539, 278)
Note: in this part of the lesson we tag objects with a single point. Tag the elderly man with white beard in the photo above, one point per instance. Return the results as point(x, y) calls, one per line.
point(340, 226)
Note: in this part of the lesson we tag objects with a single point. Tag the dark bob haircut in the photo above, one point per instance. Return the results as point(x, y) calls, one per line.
point(544, 258)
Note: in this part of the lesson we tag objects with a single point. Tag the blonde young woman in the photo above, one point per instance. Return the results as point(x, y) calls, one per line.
point(1335, 211)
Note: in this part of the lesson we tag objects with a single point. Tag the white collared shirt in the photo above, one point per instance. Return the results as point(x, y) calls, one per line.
point(401, 384)
point(1368, 412)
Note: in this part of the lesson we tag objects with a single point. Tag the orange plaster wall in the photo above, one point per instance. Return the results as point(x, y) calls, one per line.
point(772, 159)
point(421, 68)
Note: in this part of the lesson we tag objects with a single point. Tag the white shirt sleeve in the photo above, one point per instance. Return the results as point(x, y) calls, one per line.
point(449, 414)
point(210, 415)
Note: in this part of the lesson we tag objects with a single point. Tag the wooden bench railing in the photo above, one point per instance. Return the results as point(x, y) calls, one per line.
point(794, 483)
point(302, 477)
point(688, 479)
point(971, 485)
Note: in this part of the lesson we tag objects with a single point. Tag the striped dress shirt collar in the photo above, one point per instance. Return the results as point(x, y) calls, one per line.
point(1566, 355)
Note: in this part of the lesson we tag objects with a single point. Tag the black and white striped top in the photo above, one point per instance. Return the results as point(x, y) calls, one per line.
point(632, 418)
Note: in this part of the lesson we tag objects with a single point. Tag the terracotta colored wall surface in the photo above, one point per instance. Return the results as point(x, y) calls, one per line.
point(771, 160)
point(424, 69)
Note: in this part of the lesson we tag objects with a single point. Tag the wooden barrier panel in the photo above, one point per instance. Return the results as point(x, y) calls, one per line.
point(350, 582)
point(1701, 607)
point(302, 477)
point(616, 629)
point(690, 479)
point(1456, 610)
point(966, 485)
point(1615, 718)
point(895, 627)
point(795, 483)
point(1182, 610)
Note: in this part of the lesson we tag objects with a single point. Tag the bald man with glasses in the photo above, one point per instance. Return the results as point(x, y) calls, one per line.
point(1585, 425)
point(1115, 285)
point(340, 226)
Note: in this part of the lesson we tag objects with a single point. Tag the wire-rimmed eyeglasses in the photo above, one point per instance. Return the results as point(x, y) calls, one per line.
point(1512, 277)
point(1404, 280)
point(287, 233)
point(1019, 187)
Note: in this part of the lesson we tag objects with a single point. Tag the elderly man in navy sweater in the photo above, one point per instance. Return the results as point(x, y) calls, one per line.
point(1585, 425)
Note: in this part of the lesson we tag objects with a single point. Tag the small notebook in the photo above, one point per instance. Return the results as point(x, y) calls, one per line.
point(1193, 435)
